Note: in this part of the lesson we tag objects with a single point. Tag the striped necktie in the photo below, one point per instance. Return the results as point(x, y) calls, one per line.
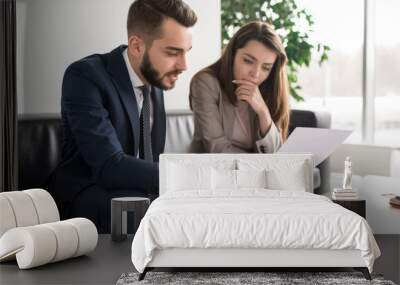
point(145, 151)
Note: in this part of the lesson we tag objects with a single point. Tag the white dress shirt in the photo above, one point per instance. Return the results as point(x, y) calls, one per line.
point(137, 84)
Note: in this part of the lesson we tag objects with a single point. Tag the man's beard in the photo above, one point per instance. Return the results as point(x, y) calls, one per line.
point(152, 75)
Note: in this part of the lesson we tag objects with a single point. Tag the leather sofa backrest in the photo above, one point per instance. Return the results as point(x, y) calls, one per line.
point(40, 140)
point(180, 130)
point(180, 127)
point(39, 148)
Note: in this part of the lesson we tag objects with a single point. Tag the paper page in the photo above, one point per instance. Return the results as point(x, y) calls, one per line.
point(320, 142)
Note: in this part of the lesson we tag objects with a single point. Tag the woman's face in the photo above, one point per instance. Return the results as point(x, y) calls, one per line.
point(253, 62)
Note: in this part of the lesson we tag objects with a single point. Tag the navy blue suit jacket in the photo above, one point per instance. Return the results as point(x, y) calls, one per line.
point(101, 132)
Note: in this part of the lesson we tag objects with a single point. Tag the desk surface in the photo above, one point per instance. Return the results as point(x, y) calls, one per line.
point(377, 191)
point(102, 266)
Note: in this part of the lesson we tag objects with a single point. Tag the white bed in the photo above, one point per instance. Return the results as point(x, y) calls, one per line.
point(201, 219)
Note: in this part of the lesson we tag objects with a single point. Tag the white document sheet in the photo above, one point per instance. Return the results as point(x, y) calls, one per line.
point(320, 142)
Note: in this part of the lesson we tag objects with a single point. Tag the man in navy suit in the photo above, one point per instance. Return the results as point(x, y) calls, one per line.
point(113, 114)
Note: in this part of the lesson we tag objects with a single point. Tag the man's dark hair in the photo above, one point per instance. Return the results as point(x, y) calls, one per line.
point(146, 16)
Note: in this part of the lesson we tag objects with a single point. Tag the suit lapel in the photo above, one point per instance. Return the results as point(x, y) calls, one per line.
point(158, 130)
point(120, 76)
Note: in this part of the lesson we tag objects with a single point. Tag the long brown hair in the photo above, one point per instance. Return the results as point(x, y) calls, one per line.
point(275, 89)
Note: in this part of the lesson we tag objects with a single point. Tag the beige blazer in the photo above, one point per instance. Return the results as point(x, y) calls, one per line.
point(214, 117)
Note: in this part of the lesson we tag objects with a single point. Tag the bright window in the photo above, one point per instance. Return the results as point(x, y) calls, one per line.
point(387, 90)
point(336, 86)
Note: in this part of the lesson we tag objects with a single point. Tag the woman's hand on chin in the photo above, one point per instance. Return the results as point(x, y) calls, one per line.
point(248, 91)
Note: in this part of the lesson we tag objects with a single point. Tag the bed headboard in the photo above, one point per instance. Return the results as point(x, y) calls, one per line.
point(274, 161)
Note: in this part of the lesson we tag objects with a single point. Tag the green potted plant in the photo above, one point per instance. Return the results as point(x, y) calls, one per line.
point(293, 24)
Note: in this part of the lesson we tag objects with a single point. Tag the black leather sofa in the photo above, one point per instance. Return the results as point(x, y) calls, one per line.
point(40, 141)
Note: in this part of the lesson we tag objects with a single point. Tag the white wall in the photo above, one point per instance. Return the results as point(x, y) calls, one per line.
point(367, 160)
point(376, 178)
point(206, 49)
point(377, 191)
point(51, 34)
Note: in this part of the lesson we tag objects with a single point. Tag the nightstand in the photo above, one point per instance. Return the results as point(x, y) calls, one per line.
point(357, 206)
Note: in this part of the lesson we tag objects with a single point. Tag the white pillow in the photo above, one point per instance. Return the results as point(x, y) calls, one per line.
point(223, 179)
point(183, 177)
point(291, 178)
point(251, 178)
point(281, 173)
point(226, 179)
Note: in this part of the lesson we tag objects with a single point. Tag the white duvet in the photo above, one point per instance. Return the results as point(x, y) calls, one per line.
point(250, 219)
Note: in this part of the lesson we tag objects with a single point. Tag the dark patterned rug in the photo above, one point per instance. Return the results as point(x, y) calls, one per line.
point(243, 278)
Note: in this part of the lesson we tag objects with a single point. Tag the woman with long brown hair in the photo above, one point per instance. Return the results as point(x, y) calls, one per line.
point(240, 103)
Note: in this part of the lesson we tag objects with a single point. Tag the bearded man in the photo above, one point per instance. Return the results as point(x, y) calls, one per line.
point(113, 116)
